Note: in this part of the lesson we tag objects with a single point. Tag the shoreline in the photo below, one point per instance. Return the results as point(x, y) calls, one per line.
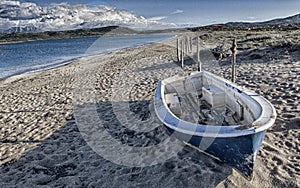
point(90, 36)
point(22, 41)
point(44, 141)
point(69, 61)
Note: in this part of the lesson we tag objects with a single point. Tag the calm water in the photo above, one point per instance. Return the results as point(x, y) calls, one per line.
point(24, 57)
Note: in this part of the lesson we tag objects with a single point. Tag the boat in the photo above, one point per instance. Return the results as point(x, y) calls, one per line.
point(215, 116)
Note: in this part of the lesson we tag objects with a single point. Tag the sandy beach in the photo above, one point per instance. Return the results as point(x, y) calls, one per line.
point(91, 123)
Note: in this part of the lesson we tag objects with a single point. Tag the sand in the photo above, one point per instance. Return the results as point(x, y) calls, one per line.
point(91, 123)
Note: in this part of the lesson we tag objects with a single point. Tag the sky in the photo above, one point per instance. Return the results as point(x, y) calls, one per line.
point(196, 12)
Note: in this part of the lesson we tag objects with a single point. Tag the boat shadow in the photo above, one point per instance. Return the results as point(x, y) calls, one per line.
point(66, 158)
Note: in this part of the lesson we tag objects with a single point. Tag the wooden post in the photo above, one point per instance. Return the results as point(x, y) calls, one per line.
point(178, 49)
point(198, 55)
point(191, 45)
point(186, 45)
point(182, 53)
point(234, 51)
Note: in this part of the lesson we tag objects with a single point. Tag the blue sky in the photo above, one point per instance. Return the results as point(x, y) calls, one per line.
point(197, 12)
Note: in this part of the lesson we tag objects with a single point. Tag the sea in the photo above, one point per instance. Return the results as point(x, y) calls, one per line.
point(32, 56)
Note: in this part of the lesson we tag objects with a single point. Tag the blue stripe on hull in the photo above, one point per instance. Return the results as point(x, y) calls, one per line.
point(237, 152)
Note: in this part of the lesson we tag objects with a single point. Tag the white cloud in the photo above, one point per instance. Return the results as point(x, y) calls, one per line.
point(157, 18)
point(251, 18)
point(22, 17)
point(178, 11)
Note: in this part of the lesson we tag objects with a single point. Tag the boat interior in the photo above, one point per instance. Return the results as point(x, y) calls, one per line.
point(202, 98)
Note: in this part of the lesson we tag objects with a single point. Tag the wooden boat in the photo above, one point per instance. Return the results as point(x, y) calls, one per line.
point(215, 116)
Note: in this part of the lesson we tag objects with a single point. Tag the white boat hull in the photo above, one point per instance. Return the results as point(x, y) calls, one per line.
point(235, 145)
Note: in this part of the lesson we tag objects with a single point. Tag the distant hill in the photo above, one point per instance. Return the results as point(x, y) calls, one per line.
point(292, 21)
point(280, 23)
point(110, 30)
